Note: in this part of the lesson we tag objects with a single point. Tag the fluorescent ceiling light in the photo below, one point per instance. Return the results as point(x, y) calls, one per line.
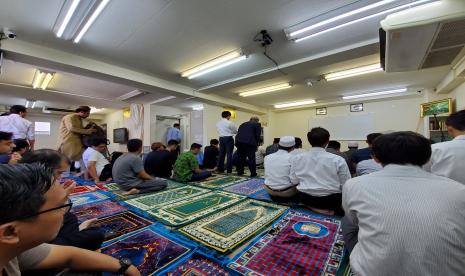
point(197, 107)
point(129, 95)
point(91, 20)
point(386, 92)
point(416, 3)
point(163, 99)
point(353, 72)
point(67, 18)
point(214, 64)
point(284, 105)
point(42, 79)
point(267, 89)
point(94, 109)
point(47, 79)
point(30, 103)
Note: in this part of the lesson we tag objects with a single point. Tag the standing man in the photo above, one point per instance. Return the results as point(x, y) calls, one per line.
point(71, 132)
point(16, 123)
point(226, 131)
point(174, 133)
point(247, 140)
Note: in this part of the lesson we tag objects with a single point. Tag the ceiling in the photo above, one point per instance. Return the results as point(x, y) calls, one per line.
point(165, 37)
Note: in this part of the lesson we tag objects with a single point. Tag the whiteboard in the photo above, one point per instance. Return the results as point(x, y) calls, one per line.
point(345, 127)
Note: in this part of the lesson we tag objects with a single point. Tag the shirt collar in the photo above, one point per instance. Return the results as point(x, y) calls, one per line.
point(402, 168)
point(317, 149)
point(460, 137)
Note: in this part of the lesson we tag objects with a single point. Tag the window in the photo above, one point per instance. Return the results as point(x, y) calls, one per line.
point(42, 128)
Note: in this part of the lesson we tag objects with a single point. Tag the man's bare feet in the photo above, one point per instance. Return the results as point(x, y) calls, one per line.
point(133, 191)
point(86, 224)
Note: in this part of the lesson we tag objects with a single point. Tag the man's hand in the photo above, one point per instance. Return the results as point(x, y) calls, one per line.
point(14, 158)
point(132, 271)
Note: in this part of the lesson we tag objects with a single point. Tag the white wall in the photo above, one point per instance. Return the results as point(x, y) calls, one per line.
point(459, 95)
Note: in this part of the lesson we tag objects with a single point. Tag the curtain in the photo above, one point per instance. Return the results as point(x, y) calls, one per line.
point(136, 128)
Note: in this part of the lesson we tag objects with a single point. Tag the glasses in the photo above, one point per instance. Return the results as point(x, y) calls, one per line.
point(66, 208)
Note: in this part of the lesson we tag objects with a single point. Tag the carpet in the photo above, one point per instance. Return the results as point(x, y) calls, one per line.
point(221, 182)
point(111, 187)
point(198, 265)
point(83, 189)
point(148, 250)
point(298, 244)
point(227, 229)
point(247, 187)
point(116, 193)
point(86, 198)
point(212, 177)
point(190, 209)
point(117, 225)
point(151, 201)
point(96, 210)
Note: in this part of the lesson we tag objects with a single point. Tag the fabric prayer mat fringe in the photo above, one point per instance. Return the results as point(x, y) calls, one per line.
point(247, 187)
point(199, 265)
point(227, 229)
point(223, 181)
point(117, 225)
point(299, 244)
point(97, 210)
point(191, 209)
point(86, 198)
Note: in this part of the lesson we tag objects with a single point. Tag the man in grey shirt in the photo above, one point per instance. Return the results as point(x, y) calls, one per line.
point(410, 222)
point(129, 174)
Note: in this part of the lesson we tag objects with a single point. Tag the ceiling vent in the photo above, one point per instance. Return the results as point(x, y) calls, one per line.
point(422, 37)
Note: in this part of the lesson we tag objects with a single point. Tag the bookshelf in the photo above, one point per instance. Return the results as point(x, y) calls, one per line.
point(435, 128)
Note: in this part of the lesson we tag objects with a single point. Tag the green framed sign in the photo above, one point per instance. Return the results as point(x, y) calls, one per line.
point(441, 107)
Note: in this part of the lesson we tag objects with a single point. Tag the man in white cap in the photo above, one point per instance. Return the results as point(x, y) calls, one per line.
point(278, 169)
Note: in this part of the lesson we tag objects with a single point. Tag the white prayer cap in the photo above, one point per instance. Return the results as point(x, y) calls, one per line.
point(353, 145)
point(287, 141)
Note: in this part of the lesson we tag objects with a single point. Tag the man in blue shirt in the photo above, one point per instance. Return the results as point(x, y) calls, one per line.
point(365, 153)
point(174, 134)
point(6, 147)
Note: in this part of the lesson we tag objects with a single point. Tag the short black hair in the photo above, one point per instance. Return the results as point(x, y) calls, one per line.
point(298, 143)
point(83, 108)
point(372, 136)
point(173, 142)
point(22, 189)
point(214, 142)
point(276, 140)
point(5, 135)
point(134, 145)
point(21, 144)
point(176, 124)
point(225, 114)
point(16, 109)
point(334, 144)
point(318, 137)
point(456, 120)
point(48, 157)
point(97, 141)
point(196, 146)
point(403, 147)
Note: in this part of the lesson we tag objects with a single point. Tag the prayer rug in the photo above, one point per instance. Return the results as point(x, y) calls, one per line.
point(188, 210)
point(120, 224)
point(212, 177)
point(298, 244)
point(198, 265)
point(151, 201)
point(118, 194)
point(148, 250)
point(227, 229)
point(96, 210)
point(83, 189)
point(221, 182)
point(247, 187)
point(111, 187)
point(86, 198)
point(265, 196)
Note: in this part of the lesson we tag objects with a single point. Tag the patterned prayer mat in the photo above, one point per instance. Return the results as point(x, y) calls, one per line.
point(150, 201)
point(117, 193)
point(227, 229)
point(112, 187)
point(188, 210)
point(223, 181)
point(96, 210)
point(300, 244)
point(86, 198)
point(148, 250)
point(247, 187)
point(198, 265)
point(265, 196)
point(83, 189)
point(120, 224)
point(212, 177)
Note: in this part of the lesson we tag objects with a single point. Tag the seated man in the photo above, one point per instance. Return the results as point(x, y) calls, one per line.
point(273, 147)
point(260, 155)
point(298, 147)
point(6, 148)
point(410, 222)
point(319, 175)
point(367, 167)
point(98, 167)
point(32, 205)
point(365, 153)
point(187, 168)
point(210, 155)
point(129, 173)
point(334, 147)
point(160, 162)
point(278, 169)
point(21, 147)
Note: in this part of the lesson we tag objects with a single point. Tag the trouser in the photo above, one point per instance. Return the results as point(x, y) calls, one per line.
point(349, 233)
point(330, 202)
point(246, 151)
point(290, 192)
point(152, 185)
point(226, 151)
point(201, 175)
point(106, 172)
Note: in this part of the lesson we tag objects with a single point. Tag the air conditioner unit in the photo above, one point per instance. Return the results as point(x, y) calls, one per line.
point(425, 36)
point(52, 110)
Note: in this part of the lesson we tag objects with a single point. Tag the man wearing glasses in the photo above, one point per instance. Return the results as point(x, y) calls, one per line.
point(32, 205)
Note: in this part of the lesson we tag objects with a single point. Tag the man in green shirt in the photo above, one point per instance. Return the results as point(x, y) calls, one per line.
point(187, 168)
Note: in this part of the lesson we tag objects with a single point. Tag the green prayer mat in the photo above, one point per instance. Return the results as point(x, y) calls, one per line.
point(227, 229)
point(221, 181)
point(113, 187)
point(191, 209)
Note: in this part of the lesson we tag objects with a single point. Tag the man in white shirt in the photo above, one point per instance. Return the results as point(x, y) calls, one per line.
point(448, 158)
point(298, 147)
point(226, 130)
point(367, 167)
point(260, 155)
point(98, 167)
point(278, 169)
point(16, 123)
point(319, 175)
point(410, 222)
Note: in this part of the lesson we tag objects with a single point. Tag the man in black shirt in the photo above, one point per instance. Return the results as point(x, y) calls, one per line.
point(210, 155)
point(159, 163)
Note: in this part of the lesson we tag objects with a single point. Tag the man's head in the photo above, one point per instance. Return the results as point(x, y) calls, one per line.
point(173, 145)
point(275, 140)
point(157, 146)
point(32, 205)
point(402, 148)
point(195, 148)
point(83, 111)
point(334, 145)
point(287, 143)
point(22, 146)
point(49, 158)
point(19, 109)
point(6, 142)
point(177, 125)
point(318, 137)
point(352, 145)
point(298, 143)
point(456, 123)
point(226, 115)
point(214, 142)
point(99, 144)
point(371, 138)
point(134, 146)
point(254, 119)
